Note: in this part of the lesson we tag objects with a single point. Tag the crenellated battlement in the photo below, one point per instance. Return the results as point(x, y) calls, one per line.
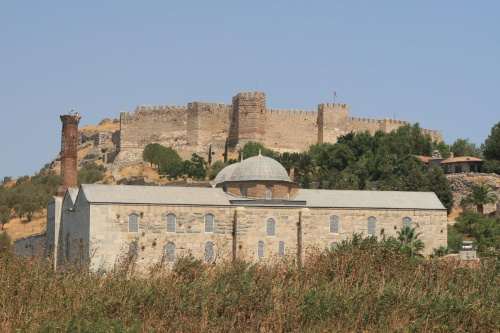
point(335, 105)
point(291, 111)
point(248, 95)
point(212, 106)
point(199, 125)
point(393, 121)
point(431, 132)
point(364, 120)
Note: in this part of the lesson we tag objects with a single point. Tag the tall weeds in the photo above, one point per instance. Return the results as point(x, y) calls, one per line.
point(369, 288)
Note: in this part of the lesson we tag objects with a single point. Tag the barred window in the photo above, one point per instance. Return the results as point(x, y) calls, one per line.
point(334, 224)
point(170, 252)
point(260, 249)
point(271, 228)
point(244, 192)
point(171, 221)
point(371, 226)
point(209, 252)
point(407, 222)
point(133, 223)
point(281, 249)
point(209, 223)
point(269, 193)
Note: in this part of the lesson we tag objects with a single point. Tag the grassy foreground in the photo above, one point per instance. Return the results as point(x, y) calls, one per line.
point(351, 289)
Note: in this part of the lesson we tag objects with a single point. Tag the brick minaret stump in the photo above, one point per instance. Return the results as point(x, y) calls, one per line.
point(69, 150)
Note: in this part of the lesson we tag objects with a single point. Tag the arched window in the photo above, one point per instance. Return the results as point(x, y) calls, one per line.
point(133, 223)
point(171, 222)
point(271, 228)
point(269, 193)
point(170, 252)
point(281, 249)
point(407, 222)
point(333, 246)
point(371, 226)
point(334, 224)
point(209, 223)
point(209, 252)
point(260, 249)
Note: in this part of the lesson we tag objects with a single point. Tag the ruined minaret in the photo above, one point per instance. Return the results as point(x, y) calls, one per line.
point(69, 150)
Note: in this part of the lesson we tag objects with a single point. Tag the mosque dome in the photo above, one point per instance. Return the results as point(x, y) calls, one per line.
point(257, 168)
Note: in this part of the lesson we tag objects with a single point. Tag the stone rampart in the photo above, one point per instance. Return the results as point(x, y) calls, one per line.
point(199, 125)
point(291, 130)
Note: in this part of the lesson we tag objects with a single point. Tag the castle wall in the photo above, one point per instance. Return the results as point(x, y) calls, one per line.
point(249, 118)
point(290, 130)
point(208, 124)
point(196, 127)
point(164, 125)
point(364, 124)
point(333, 121)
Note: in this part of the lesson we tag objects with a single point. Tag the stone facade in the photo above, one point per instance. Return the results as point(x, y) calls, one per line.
point(200, 125)
point(101, 231)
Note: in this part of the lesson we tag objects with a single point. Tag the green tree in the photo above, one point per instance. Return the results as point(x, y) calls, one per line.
point(210, 155)
point(216, 168)
point(173, 169)
point(225, 151)
point(5, 243)
point(197, 168)
point(485, 231)
point(151, 152)
point(439, 184)
point(442, 147)
point(479, 197)
point(491, 147)
point(462, 147)
point(252, 148)
point(4, 215)
point(91, 173)
point(491, 166)
point(304, 166)
point(408, 237)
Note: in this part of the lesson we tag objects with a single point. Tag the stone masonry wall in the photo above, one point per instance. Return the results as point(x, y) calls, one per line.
point(196, 127)
point(208, 124)
point(110, 239)
point(163, 125)
point(291, 130)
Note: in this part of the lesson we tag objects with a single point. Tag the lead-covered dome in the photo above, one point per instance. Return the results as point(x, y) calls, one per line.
point(257, 168)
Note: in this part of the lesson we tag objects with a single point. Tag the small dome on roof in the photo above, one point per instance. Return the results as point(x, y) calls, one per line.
point(254, 168)
point(224, 174)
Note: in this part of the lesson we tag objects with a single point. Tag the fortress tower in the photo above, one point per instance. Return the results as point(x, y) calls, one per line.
point(69, 149)
point(249, 118)
point(333, 121)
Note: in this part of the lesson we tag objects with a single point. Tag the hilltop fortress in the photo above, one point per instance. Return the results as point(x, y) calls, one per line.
point(199, 125)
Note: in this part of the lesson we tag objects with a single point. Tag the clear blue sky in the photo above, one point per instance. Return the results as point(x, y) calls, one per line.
point(432, 62)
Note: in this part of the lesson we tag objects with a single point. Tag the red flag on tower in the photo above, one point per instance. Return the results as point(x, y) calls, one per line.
point(335, 93)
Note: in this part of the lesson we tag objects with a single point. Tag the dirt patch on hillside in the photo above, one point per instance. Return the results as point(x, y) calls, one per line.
point(18, 228)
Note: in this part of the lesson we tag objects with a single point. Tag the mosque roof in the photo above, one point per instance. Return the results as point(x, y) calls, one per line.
point(260, 168)
point(155, 195)
point(167, 195)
